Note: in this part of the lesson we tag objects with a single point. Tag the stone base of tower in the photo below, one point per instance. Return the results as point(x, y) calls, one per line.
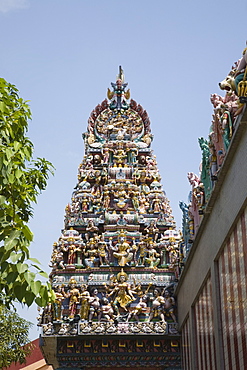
point(115, 352)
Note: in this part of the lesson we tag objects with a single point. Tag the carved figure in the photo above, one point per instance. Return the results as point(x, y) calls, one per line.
point(152, 231)
point(197, 201)
point(152, 258)
point(84, 301)
point(91, 230)
point(229, 82)
point(106, 311)
point(135, 200)
point(46, 315)
point(107, 200)
point(205, 172)
point(48, 329)
point(91, 254)
point(94, 303)
point(121, 221)
point(118, 96)
point(57, 305)
point(119, 156)
point(123, 293)
point(72, 249)
point(142, 251)
point(235, 76)
point(157, 306)
point(213, 163)
point(226, 122)
point(64, 329)
point(73, 296)
point(144, 188)
point(57, 258)
point(106, 155)
point(173, 250)
point(121, 196)
point(143, 204)
point(110, 286)
point(169, 303)
point(122, 251)
point(156, 205)
point(120, 134)
point(102, 251)
point(132, 154)
point(139, 310)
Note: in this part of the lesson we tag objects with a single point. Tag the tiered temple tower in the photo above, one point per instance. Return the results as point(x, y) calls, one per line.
point(116, 262)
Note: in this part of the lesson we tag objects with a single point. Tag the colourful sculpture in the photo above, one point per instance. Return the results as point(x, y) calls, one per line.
point(226, 111)
point(114, 246)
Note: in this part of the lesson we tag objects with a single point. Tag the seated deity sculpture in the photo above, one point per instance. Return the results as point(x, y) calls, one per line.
point(91, 254)
point(152, 258)
point(122, 251)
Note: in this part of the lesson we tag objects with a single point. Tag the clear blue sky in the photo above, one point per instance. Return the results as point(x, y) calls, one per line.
point(62, 56)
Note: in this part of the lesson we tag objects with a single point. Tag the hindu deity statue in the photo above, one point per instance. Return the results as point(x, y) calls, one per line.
point(74, 298)
point(121, 251)
point(123, 293)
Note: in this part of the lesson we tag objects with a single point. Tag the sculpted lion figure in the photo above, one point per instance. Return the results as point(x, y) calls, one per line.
point(228, 83)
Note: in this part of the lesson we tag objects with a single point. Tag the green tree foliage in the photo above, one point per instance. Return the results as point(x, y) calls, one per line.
point(22, 178)
point(14, 342)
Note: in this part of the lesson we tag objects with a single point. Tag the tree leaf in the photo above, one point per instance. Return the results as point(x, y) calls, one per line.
point(40, 301)
point(2, 199)
point(14, 234)
point(29, 298)
point(35, 260)
point(29, 277)
point(35, 286)
point(20, 291)
point(15, 256)
point(11, 277)
point(44, 274)
point(21, 267)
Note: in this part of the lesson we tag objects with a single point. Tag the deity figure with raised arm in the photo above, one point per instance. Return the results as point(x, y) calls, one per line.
point(122, 293)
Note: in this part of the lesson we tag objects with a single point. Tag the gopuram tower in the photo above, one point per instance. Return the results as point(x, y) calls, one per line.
point(116, 261)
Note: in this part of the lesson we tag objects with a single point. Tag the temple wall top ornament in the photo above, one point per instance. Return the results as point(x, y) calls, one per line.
point(226, 110)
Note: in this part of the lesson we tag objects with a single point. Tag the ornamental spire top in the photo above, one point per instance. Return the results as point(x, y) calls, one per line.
point(119, 96)
point(120, 75)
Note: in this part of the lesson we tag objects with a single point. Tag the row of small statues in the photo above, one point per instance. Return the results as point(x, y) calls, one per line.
point(118, 156)
point(144, 197)
point(100, 177)
point(119, 301)
point(226, 110)
point(120, 200)
point(97, 252)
